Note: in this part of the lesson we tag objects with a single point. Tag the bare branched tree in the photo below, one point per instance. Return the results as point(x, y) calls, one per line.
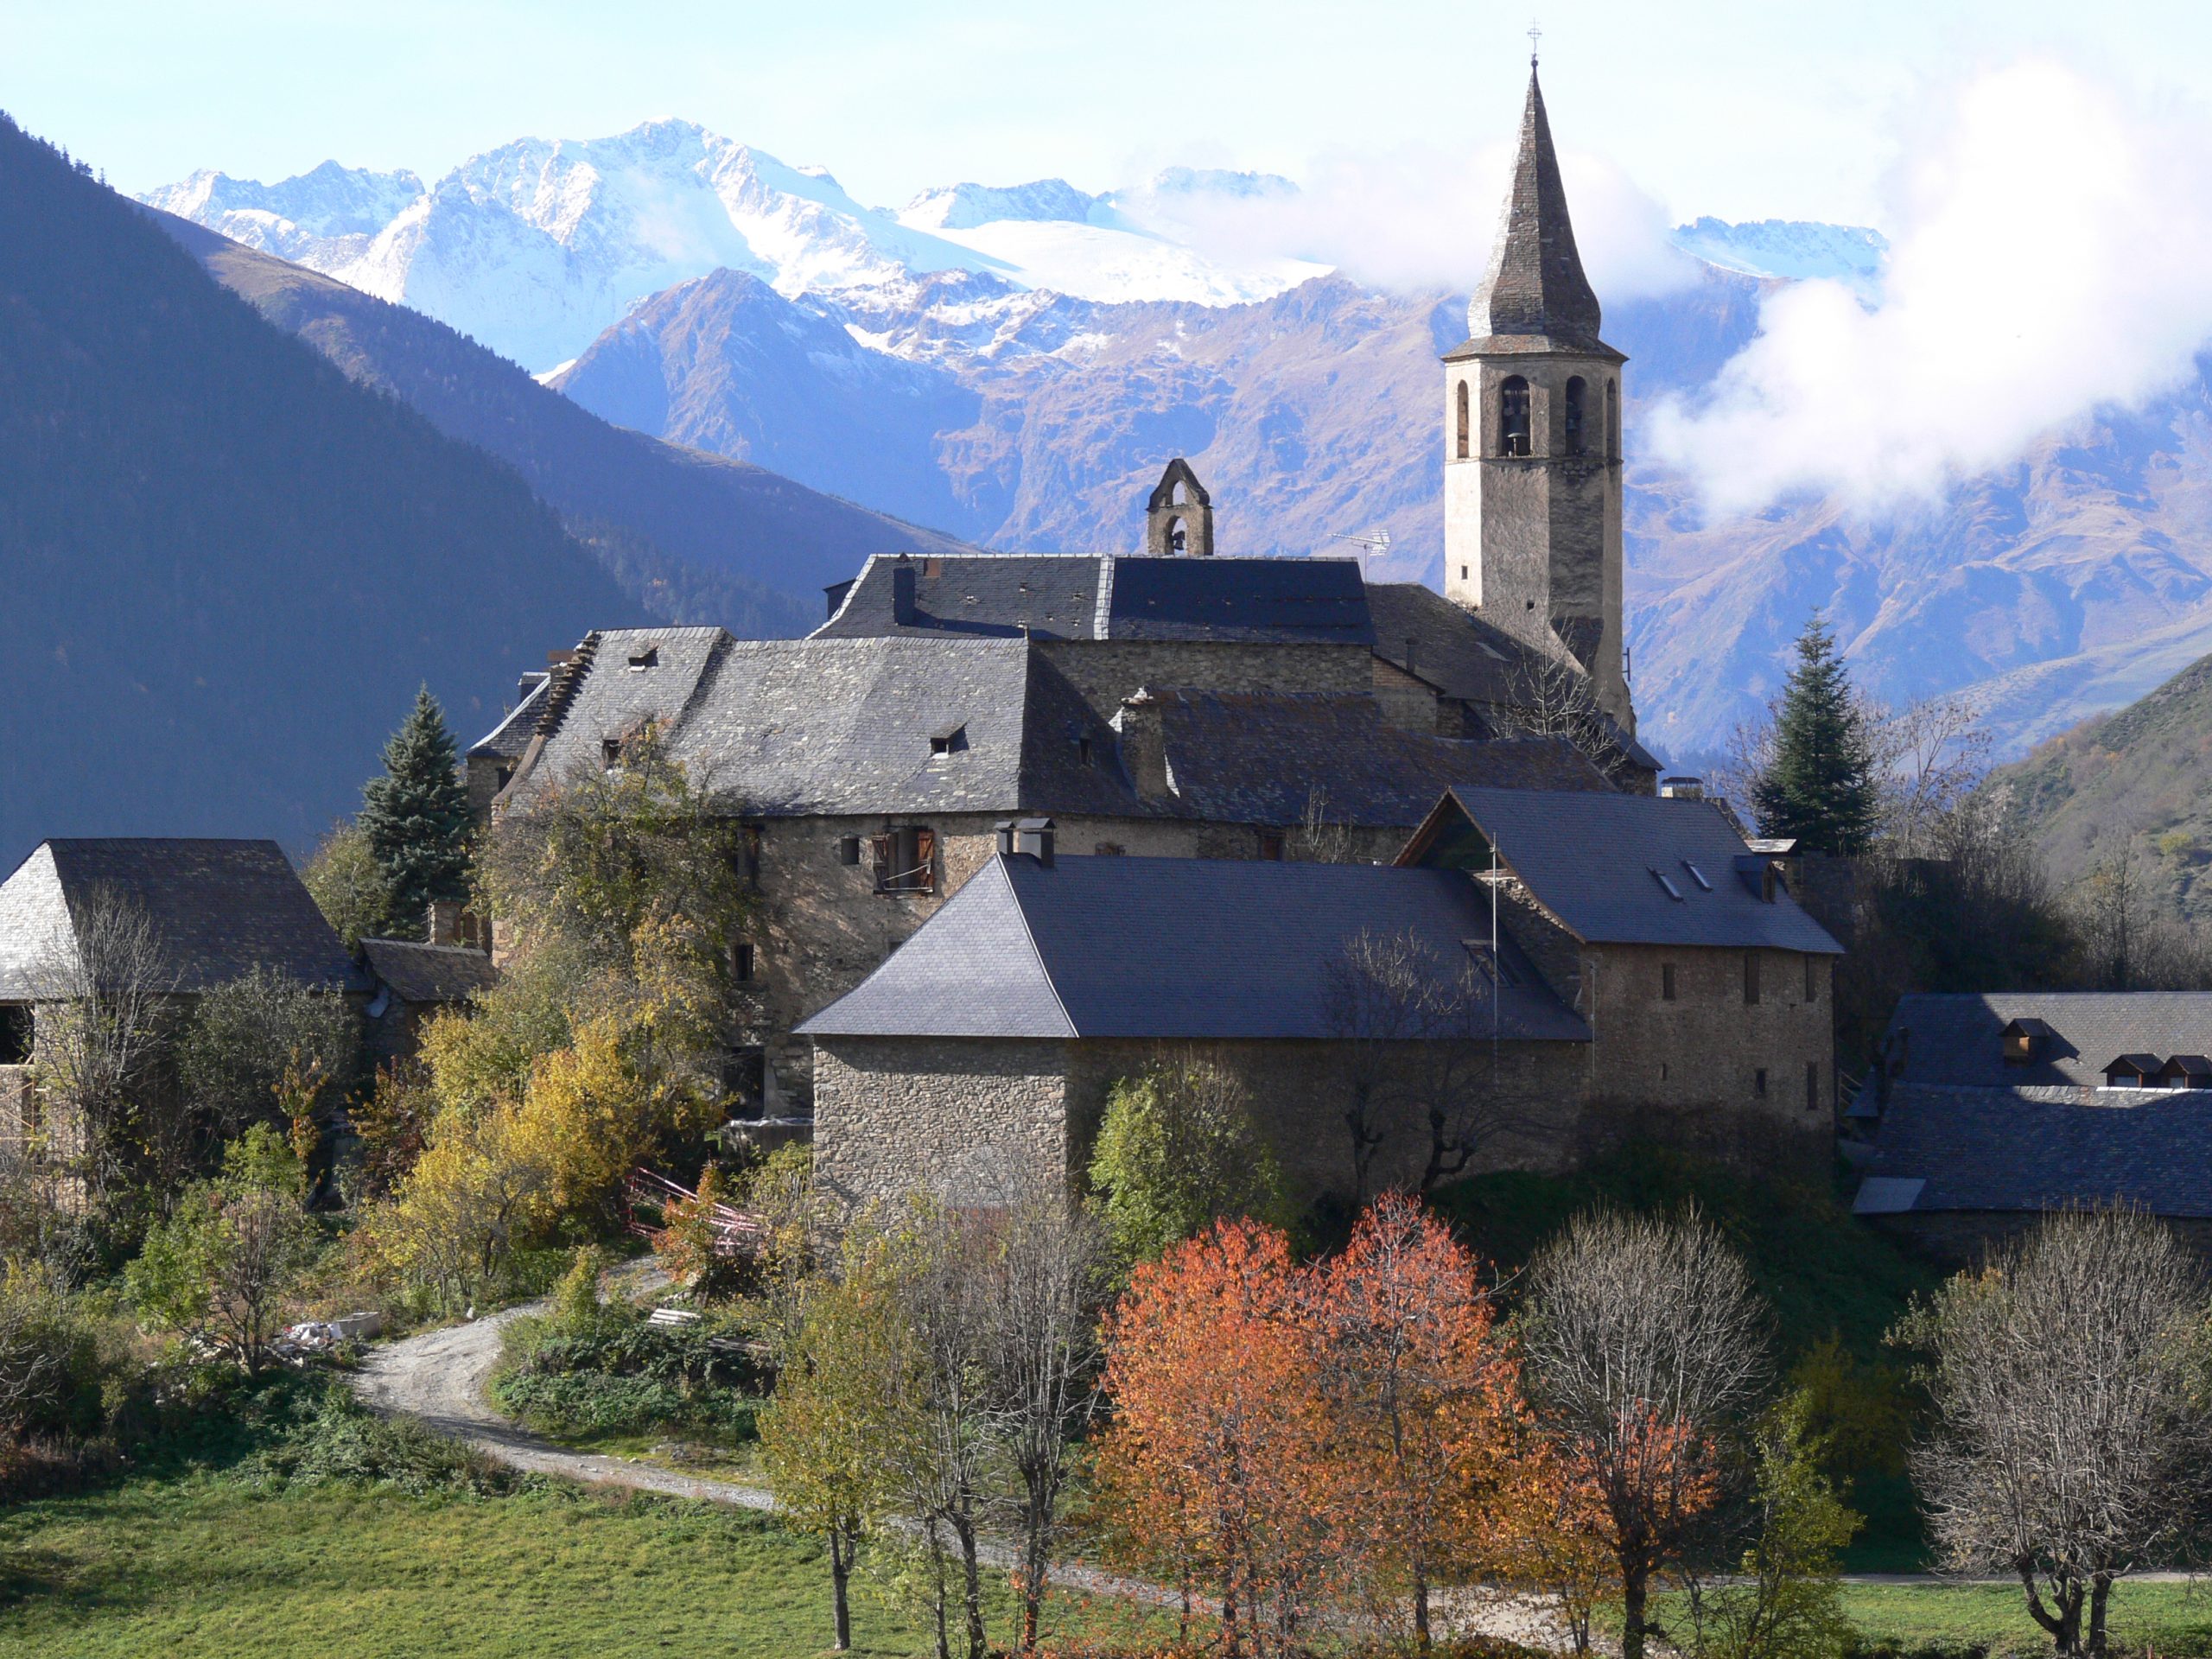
point(1318, 841)
point(1046, 1277)
point(106, 993)
point(1927, 758)
point(1552, 696)
point(1406, 1023)
point(2067, 1451)
point(1645, 1352)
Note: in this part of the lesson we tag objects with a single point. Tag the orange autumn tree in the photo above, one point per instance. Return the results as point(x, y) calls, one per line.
point(1424, 1403)
point(1217, 1471)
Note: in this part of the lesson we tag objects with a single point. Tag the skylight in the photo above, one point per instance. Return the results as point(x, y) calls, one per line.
point(1697, 876)
point(1664, 880)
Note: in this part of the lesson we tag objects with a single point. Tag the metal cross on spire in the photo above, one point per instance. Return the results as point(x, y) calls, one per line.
point(1536, 35)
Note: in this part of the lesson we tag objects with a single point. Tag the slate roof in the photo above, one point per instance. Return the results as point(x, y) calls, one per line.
point(506, 740)
point(790, 727)
point(1459, 653)
point(1167, 947)
point(429, 974)
point(2020, 1149)
point(220, 908)
point(1595, 862)
point(1260, 759)
point(1534, 297)
point(1108, 596)
point(1955, 1041)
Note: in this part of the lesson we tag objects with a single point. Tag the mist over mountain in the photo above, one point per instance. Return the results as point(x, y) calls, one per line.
point(228, 567)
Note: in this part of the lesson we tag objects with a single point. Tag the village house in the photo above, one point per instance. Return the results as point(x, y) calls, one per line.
point(1636, 970)
point(1983, 1111)
point(211, 913)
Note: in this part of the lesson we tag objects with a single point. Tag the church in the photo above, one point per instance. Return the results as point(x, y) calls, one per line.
point(1175, 703)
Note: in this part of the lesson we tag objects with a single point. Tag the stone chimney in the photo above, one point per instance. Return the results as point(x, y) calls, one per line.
point(902, 592)
point(451, 922)
point(1144, 745)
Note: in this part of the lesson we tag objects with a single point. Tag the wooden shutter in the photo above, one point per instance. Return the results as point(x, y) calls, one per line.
point(883, 849)
point(923, 878)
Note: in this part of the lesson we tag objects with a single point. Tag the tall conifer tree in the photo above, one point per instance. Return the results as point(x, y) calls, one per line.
point(416, 817)
point(1820, 786)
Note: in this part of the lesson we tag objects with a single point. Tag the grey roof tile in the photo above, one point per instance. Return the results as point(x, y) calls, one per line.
point(506, 740)
point(220, 908)
point(1595, 862)
point(429, 974)
point(1954, 1040)
point(2017, 1149)
point(1260, 760)
point(1086, 596)
point(1169, 948)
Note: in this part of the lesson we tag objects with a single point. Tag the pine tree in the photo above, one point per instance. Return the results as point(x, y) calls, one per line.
point(417, 818)
point(1820, 785)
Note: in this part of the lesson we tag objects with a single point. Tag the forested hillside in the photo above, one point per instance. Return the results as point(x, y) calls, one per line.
point(2137, 781)
point(225, 567)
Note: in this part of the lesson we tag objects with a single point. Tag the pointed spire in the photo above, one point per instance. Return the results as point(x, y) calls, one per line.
point(1535, 285)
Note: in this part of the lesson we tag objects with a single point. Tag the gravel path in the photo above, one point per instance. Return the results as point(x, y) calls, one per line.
point(440, 1375)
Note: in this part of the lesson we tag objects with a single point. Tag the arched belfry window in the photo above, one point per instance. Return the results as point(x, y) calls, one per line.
point(1513, 415)
point(1462, 450)
point(1179, 538)
point(1613, 419)
point(1574, 391)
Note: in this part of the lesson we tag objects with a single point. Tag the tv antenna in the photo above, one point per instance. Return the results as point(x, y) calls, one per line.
point(1372, 543)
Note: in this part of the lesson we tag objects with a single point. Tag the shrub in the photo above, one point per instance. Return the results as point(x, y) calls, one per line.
point(342, 1442)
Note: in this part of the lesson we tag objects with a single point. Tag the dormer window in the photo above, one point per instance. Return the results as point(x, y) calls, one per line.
point(950, 740)
point(2025, 1041)
point(2134, 1071)
point(610, 753)
point(641, 660)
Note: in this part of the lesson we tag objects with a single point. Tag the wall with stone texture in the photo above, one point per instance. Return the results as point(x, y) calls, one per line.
point(1705, 1049)
point(972, 1120)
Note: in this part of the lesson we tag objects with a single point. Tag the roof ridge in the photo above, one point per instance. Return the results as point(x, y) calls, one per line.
point(1030, 934)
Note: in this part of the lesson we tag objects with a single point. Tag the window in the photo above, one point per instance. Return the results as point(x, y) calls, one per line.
point(1697, 876)
point(1752, 978)
point(642, 660)
point(1107, 849)
point(748, 854)
point(1574, 389)
point(740, 962)
point(610, 753)
point(1758, 1083)
point(950, 740)
point(1613, 419)
point(1665, 981)
point(1178, 539)
point(1463, 573)
point(1665, 881)
point(848, 849)
point(745, 1075)
point(15, 1033)
point(1270, 844)
point(1513, 415)
point(1812, 979)
point(905, 861)
point(1083, 750)
point(1812, 1085)
point(1461, 449)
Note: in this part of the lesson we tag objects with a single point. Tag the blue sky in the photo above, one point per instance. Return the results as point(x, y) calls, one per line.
point(1731, 107)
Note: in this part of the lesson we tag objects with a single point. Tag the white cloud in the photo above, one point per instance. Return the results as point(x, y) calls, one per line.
point(1421, 218)
point(2049, 255)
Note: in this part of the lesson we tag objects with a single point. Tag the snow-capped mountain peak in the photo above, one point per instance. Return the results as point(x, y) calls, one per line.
point(1793, 250)
point(964, 207)
point(313, 212)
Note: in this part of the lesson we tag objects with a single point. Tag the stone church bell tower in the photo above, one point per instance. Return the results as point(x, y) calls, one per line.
point(1532, 438)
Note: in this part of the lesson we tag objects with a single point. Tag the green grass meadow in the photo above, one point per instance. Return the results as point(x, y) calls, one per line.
point(201, 1566)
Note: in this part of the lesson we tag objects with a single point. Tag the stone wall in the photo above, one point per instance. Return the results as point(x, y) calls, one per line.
point(972, 1119)
point(1705, 1049)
